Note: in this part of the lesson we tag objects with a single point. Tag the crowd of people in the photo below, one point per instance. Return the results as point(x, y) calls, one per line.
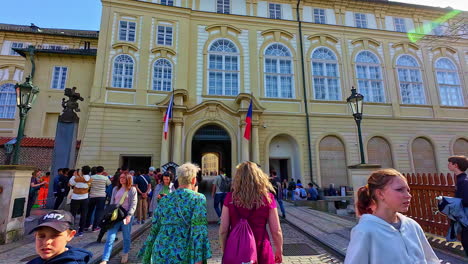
point(246, 205)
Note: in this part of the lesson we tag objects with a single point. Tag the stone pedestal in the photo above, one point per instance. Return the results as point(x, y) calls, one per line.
point(64, 155)
point(359, 174)
point(14, 190)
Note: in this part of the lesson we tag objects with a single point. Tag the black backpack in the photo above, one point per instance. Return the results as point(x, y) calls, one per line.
point(225, 185)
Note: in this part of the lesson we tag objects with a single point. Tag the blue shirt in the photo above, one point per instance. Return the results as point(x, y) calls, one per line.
point(142, 185)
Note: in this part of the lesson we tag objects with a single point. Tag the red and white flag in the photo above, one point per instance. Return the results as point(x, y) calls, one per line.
point(167, 116)
point(248, 122)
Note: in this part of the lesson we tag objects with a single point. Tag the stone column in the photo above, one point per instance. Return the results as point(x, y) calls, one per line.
point(164, 149)
point(255, 144)
point(177, 151)
point(245, 145)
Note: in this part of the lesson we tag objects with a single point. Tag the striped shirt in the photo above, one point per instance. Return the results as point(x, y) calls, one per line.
point(98, 186)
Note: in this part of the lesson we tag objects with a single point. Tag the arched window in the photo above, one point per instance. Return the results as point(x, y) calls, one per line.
point(122, 75)
point(278, 72)
point(223, 68)
point(449, 83)
point(411, 84)
point(325, 75)
point(460, 147)
point(424, 160)
point(379, 152)
point(7, 101)
point(333, 167)
point(369, 77)
point(162, 75)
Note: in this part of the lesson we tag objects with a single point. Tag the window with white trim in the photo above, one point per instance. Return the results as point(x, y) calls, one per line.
point(16, 45)
point(165, 35)
point(369, 77)
point(127, 31)
point(122, 74)
point(410, 80)
point(278, 72)
point(275, 10)
point(319, 16)
point(400, 24)
point(325, 75)
point(7, 101)
point(449, 82)
point(59, 78)
point(162, 75)
point(223, 68)
point(167, 2)
point(223, 6)
point(360, 20)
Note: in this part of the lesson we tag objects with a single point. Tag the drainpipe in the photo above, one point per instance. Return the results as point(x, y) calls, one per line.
point(305, 93)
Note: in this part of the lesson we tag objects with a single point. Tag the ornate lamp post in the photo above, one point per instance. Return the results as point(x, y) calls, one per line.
point(26, 93)
point(355, 104)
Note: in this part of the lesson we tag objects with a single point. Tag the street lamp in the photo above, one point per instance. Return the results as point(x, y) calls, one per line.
point(26, 93)
point(355, 104)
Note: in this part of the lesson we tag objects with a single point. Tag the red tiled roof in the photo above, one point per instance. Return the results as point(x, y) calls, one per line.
point(35, 142)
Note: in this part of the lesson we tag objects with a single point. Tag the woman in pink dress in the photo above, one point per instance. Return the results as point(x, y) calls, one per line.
point(252, 196)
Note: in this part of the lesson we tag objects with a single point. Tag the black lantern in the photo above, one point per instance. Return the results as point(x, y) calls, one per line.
point(26, 94)
point(355, 104)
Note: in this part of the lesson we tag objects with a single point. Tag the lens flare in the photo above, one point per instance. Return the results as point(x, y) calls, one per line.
point(427, 28)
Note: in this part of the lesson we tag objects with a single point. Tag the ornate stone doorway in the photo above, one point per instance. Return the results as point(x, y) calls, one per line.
point(212, 140)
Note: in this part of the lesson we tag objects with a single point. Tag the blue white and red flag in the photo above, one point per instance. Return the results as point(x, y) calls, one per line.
point(167, 116)
point(248, 122)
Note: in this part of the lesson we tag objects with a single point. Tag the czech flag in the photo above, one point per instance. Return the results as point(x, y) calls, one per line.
point(248, 121)
point(167, 116)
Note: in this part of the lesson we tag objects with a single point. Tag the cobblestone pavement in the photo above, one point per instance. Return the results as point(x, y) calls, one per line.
point(291, 236)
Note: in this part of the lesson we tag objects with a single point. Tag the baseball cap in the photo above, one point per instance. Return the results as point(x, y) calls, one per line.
point(152, 169)
point(59, 220)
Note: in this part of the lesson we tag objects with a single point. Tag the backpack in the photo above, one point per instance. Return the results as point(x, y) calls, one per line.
point(291, 186)
point(240, 245)
point(303, 193)
point(225, 185)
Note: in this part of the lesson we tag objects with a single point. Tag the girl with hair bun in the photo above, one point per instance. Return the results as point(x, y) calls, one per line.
point(384, 235)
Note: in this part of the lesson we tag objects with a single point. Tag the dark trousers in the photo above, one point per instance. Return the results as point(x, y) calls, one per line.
point(98, 204)
point(80, 206)
point(31, 200)
point(219, 201)
point(59, 200)
point(464, 239)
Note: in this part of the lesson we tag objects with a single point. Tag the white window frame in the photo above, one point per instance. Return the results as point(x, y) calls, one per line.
point(323, 65)
point(223, 69)
point(360, 20)
point(274, 10)
point(167, 38)
point(122, 77)
point(59, 79)
point(319, 15)
point(369, 96)
point(127, 34)
point(223, 6)
point(444, 94)
point(167, 2)
point(7, 101)
point(400, 24)
point(164, 70)
point(278, 73)
point(412, 84)
point(15, 45)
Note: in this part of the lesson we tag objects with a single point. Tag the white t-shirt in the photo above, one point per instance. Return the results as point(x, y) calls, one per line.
point(79, 185)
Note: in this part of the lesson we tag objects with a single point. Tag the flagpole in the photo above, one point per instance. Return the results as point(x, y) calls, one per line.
point(251, 135)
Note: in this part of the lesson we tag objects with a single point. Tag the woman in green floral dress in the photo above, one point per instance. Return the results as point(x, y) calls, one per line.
point(179, 233)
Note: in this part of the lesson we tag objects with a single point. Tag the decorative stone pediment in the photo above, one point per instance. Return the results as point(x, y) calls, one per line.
point(323, 38)
point(406, 46)
point(164, 51)
point(243, 100)
point(444, 49)
point(223, 29)
point(366, 42)
point(125, 47)
point(278, 34)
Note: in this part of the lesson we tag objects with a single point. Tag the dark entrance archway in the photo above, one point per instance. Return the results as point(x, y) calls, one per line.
point(212, 139)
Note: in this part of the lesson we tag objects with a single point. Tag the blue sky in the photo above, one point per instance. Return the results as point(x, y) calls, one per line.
point(86, 14)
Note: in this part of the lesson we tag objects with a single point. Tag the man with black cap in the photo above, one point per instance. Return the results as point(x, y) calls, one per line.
point(54, 231)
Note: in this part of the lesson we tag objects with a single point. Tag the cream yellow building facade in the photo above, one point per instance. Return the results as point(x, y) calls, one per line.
point(215, 56)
